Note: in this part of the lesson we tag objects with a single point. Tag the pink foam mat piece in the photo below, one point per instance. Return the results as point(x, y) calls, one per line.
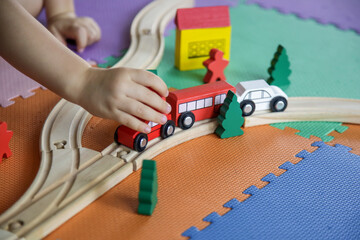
point(114, 18)
point(344, 14)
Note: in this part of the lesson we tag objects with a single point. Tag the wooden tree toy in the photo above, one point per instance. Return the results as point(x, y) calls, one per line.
point(148, 188)
point(5, 136)
point(215, 65)
point(230, 118)
point(280, 68)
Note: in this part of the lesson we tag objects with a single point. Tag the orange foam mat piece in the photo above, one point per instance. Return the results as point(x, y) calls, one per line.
point(195, 178)
point(350, 138)
point(25, 118)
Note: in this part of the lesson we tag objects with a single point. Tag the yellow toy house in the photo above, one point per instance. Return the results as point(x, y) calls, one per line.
point(198, 30)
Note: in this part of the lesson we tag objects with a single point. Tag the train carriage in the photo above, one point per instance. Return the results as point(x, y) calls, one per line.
point(197, 103)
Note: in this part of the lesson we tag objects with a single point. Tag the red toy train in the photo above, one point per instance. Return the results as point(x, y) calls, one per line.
point(188, 105)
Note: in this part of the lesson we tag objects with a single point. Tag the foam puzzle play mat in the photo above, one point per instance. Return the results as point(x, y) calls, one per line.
point(263, 140)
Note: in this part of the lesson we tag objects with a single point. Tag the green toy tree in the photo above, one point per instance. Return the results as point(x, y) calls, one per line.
point(280, 68)
point(230, 118)
point(148, 188)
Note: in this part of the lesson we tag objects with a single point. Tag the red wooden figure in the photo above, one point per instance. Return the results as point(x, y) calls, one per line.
point(5, 136)
point(215, 66)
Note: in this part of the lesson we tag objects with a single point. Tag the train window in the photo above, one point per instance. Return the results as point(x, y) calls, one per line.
point(208, 102)
point(256, 95)
point(182, 107)
point(266, 94)
point(200, 103)
point(223, 96)
point(217, 100)
point(191, 105)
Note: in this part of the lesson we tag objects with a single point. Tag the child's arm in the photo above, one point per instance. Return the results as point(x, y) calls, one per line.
point(118, 94)
point(63, 23)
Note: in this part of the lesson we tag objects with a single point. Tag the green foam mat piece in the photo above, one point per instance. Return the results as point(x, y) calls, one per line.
point(318, 129)
point(324, 60)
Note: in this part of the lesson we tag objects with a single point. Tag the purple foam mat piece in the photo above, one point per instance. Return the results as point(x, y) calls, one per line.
point(13, 84)
point(114, 18)
point(343, 14)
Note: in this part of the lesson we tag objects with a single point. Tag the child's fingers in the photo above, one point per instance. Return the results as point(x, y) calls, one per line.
point(95, 29)
point(79, 33)
point(150, 98)
point(57, 34)
point(90, 32)
point(142, 111)
point(149, 79)
point(131, 122)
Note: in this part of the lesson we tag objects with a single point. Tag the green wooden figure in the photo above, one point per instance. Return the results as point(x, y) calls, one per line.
point(230, 118)
point(280, 68)
point(148, 188)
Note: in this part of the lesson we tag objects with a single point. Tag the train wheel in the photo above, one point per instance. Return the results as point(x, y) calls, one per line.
point(167, 129)
point(140, 142)
point(186, 120)
point(278, 104)
point(116, 137)
point(247, 107)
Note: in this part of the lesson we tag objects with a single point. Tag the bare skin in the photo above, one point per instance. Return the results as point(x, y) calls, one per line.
point(121, 94)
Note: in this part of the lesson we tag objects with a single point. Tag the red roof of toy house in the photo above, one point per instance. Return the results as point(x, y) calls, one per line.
point(202, 17)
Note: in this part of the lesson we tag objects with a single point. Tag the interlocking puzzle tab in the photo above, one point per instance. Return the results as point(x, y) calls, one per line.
point(280, 68)
point(198, 30)
point(5, 136)
point(316, 198)
point(148, 188)
point(318, 129)
point(230, 118)
point(215, 66)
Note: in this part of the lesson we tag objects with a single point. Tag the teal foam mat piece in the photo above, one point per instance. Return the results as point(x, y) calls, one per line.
point(324, 60)
point(318, 129)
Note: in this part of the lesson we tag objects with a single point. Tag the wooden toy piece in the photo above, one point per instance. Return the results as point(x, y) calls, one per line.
point(230, 118)
point(280, 68)
point(5, 137)
point(215, 66)
point(137, 140)
point(198, 31)
point(148, 188)
point(197, 103)
point(257, 94)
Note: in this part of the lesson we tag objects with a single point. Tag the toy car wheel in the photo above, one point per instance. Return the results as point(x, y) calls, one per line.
point(140, 142)
point(186, 120)
point(116, 137)
point(247, 107)
point(167, 129)
point(278, 104)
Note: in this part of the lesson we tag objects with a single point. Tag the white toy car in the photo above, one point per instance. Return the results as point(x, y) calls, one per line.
point(259, 95)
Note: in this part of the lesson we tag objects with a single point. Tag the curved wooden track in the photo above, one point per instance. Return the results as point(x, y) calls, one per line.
point(311, 109)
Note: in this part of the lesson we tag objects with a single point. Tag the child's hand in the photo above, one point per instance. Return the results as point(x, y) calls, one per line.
point(83, 30)
point(123, 94)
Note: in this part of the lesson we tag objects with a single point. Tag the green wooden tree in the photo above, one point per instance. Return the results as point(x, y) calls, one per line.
point(230, 118)
point(280, 68)
point(148, 188)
